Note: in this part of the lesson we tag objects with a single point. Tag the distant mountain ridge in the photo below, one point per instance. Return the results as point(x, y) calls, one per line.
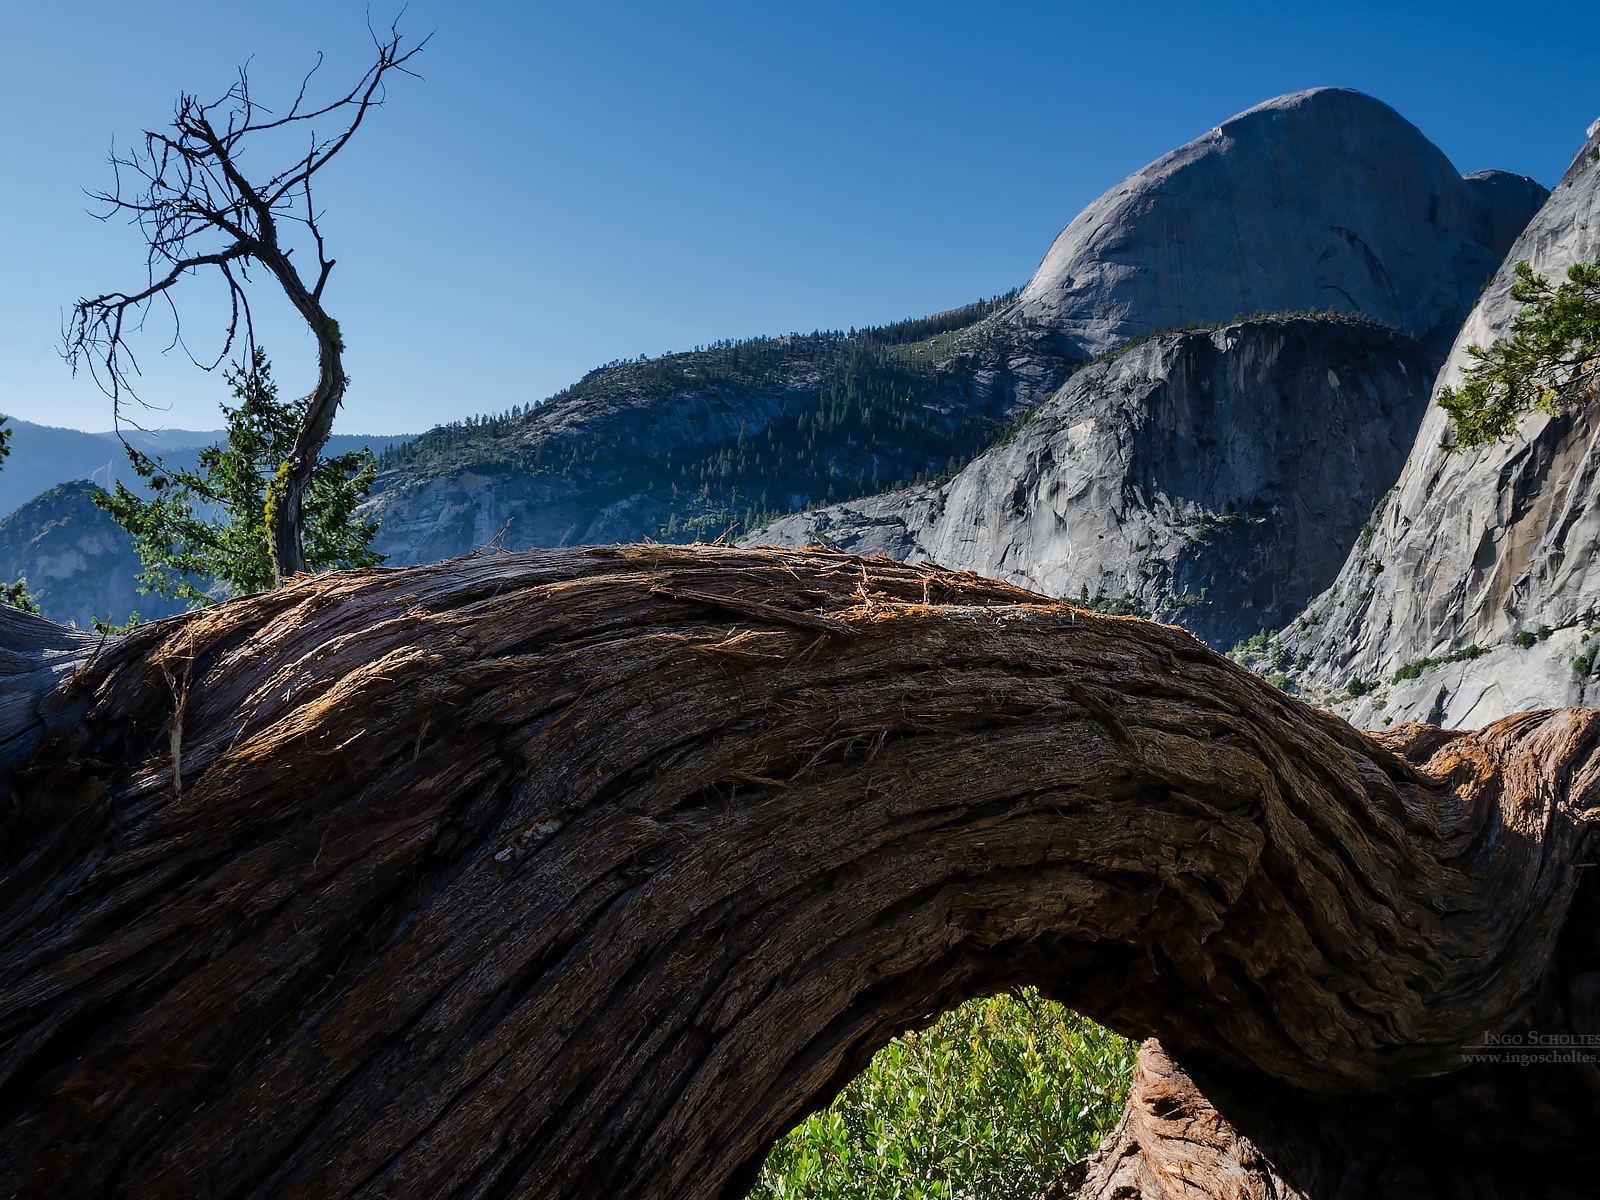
point(43, 456)
point(703, 444)
point(78, 562)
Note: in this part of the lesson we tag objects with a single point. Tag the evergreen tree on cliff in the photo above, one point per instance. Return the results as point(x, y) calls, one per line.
point(1549, 362)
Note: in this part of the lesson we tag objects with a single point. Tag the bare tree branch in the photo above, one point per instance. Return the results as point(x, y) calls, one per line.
point(198, 210)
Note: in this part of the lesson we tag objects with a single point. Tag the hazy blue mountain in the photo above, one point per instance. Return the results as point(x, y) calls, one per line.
point(78, 562)
point(43, 456)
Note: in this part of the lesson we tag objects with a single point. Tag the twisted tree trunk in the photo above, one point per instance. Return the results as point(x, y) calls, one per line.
point(587, 873)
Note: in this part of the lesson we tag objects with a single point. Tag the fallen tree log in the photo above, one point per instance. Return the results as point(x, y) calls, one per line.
point(589, 872)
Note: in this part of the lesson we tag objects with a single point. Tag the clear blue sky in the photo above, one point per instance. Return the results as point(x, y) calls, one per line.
point(574, 183)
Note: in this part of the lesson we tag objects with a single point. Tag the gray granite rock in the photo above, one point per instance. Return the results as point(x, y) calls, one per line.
point(1496, 549)
point(1325, 198)
point(1214, 479)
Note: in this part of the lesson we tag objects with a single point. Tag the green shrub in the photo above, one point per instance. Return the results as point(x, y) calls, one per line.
point(1416, 667)
point(993, 1100)
point(15, 595)
point(1524, 639)
point(1114, 606)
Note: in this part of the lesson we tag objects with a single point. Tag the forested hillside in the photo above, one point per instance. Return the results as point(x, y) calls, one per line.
point(720, 439)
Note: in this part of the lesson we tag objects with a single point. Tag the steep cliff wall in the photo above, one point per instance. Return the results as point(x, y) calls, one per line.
point(1325, 198)
point(1485, 559)
point(1213, 478)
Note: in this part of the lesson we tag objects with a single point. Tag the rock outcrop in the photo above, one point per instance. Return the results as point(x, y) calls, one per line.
point(1321, 199)
point(79, 563)
point(1214, 479)
point(1478, 591)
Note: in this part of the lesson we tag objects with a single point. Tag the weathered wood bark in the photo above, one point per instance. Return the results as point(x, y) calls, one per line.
point(36, 657)
point(589, 872)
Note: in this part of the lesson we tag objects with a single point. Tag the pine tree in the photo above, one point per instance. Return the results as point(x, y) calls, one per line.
point(1549, 362)
point(215, 521)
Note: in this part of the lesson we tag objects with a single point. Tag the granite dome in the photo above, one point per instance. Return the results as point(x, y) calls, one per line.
point(1325, 198)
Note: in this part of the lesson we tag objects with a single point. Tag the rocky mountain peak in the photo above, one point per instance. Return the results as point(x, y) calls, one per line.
point(1321, 199)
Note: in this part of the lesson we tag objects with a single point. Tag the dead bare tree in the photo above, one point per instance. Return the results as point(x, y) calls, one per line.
point(188, 193)
point(588, 872)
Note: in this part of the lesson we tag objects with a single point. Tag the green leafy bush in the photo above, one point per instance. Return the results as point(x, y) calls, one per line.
point(993, 1100)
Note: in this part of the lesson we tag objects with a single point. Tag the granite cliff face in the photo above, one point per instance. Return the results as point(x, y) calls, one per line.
point(79, 563)
point(1213, 479)
point(1321, 199)
point(1479, 587)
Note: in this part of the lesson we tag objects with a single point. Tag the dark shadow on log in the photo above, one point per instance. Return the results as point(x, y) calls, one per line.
point(1517, 1119)
point(589, 872)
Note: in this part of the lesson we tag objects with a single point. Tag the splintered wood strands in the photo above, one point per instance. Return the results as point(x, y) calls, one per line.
point(589, 872)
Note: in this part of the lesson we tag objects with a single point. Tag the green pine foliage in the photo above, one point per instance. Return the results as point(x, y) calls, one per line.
point(1549, 362)
point(13, 595)
point(993, 1100)
point(211, 523)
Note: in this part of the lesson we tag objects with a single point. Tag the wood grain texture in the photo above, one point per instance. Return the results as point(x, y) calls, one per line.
point(589, 872)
